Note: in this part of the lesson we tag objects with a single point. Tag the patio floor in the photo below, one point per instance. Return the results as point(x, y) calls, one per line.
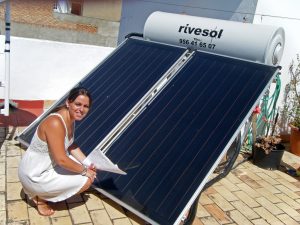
point(248, 195)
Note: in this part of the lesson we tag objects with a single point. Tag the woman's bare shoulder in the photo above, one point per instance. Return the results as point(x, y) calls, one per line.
point(52, 122)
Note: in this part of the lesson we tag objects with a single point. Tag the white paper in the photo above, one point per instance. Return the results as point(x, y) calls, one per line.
point(101, 162)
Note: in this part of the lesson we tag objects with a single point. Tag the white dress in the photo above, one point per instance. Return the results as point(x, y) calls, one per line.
point(40, 176)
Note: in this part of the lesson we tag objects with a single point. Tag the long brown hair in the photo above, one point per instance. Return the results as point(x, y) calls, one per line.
point(73, 94)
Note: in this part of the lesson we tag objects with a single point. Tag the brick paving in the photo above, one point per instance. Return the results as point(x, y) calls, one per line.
point(248, 195)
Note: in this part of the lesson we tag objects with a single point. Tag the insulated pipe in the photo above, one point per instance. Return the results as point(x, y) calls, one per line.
point(259, 43)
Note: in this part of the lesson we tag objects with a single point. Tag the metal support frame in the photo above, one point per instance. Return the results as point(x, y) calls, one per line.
point(6, 83)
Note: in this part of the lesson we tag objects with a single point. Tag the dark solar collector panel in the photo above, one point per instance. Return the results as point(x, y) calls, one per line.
point(116, 85)
point(172, 147)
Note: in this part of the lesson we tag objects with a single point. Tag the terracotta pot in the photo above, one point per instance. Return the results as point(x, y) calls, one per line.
point(295, 140)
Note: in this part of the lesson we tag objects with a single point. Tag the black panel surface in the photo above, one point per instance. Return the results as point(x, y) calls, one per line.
point(116, 86)
point(170, 148)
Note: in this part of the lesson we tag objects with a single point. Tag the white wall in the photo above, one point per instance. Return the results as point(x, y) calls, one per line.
point(46, 70)
point(284, 13)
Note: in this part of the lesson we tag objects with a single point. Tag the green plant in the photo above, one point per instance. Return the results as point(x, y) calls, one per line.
point(291, 107)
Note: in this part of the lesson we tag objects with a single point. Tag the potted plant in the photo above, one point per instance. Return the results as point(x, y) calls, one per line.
point(267, 150)
point(291, 107)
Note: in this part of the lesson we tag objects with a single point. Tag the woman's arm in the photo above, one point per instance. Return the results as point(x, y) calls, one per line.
point(76, 152)
point(53, 131)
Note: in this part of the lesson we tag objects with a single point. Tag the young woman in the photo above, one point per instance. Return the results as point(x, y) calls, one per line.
point(51, 169)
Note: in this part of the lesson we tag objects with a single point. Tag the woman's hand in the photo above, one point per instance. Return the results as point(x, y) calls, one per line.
point(92, 167)
point(91, 173)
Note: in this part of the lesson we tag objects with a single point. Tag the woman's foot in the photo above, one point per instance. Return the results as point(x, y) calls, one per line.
point(42, 207)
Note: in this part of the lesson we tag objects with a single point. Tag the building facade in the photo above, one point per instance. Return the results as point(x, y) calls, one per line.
point(75, 21)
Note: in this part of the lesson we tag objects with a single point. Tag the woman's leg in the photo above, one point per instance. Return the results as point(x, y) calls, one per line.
point(85, 186)
point(43, 207)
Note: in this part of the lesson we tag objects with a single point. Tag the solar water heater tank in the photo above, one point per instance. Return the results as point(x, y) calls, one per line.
point(258, 43)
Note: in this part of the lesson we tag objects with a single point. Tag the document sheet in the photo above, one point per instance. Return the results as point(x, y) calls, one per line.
point(102, 162)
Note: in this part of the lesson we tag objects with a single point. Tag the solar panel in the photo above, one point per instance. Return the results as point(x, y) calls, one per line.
point(170, 150)
point(173, 144)
point(116, 85)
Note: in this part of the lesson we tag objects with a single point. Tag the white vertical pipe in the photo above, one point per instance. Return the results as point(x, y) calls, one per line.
point(7, 59)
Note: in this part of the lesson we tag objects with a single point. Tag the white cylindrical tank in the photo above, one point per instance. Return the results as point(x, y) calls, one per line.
point(260, 43)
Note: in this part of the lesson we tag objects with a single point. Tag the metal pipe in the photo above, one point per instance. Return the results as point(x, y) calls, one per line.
point(7, 59)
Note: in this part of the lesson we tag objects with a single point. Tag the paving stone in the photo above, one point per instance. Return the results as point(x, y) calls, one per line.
point(13, 161)
point(229, 185)
point(79, 213)
point(209, 221)
point(3, 148)
point(269, 205)
point(297, 184)
point(244, 197)
point(197, 221)
point(36, 219)
point(2, 183)
point(2, 202)
point(251, 175)
point(61, 209)
point(114, 210)
point(93, 201)
point(289, 210)
point(260, 222)
point(285, 176)
point(61, 221)
point(287, 219)
point(268, 195)
point(12, 175)
point(3, 217)
point(287, 191)
point(23, 222)
point(221, 202)
point(2, 157)
point(2, 168)
point(269, 217)
point(268, 179)
point(271, 173)
point(250, 191)
point(246, 164)
point(13, 151)
point(291, 202)
point(122, 221)
point(289, 185)
point(210, 190)
point(239, 218)
point(204, 199)
point(201, 211)
point(218, 214)
point(245, 210)
point(17, 210)
point(100, 217)
point(14, 191)
point(233, 179)
point(269, 187)
point(225, 193)
point(252, 183)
